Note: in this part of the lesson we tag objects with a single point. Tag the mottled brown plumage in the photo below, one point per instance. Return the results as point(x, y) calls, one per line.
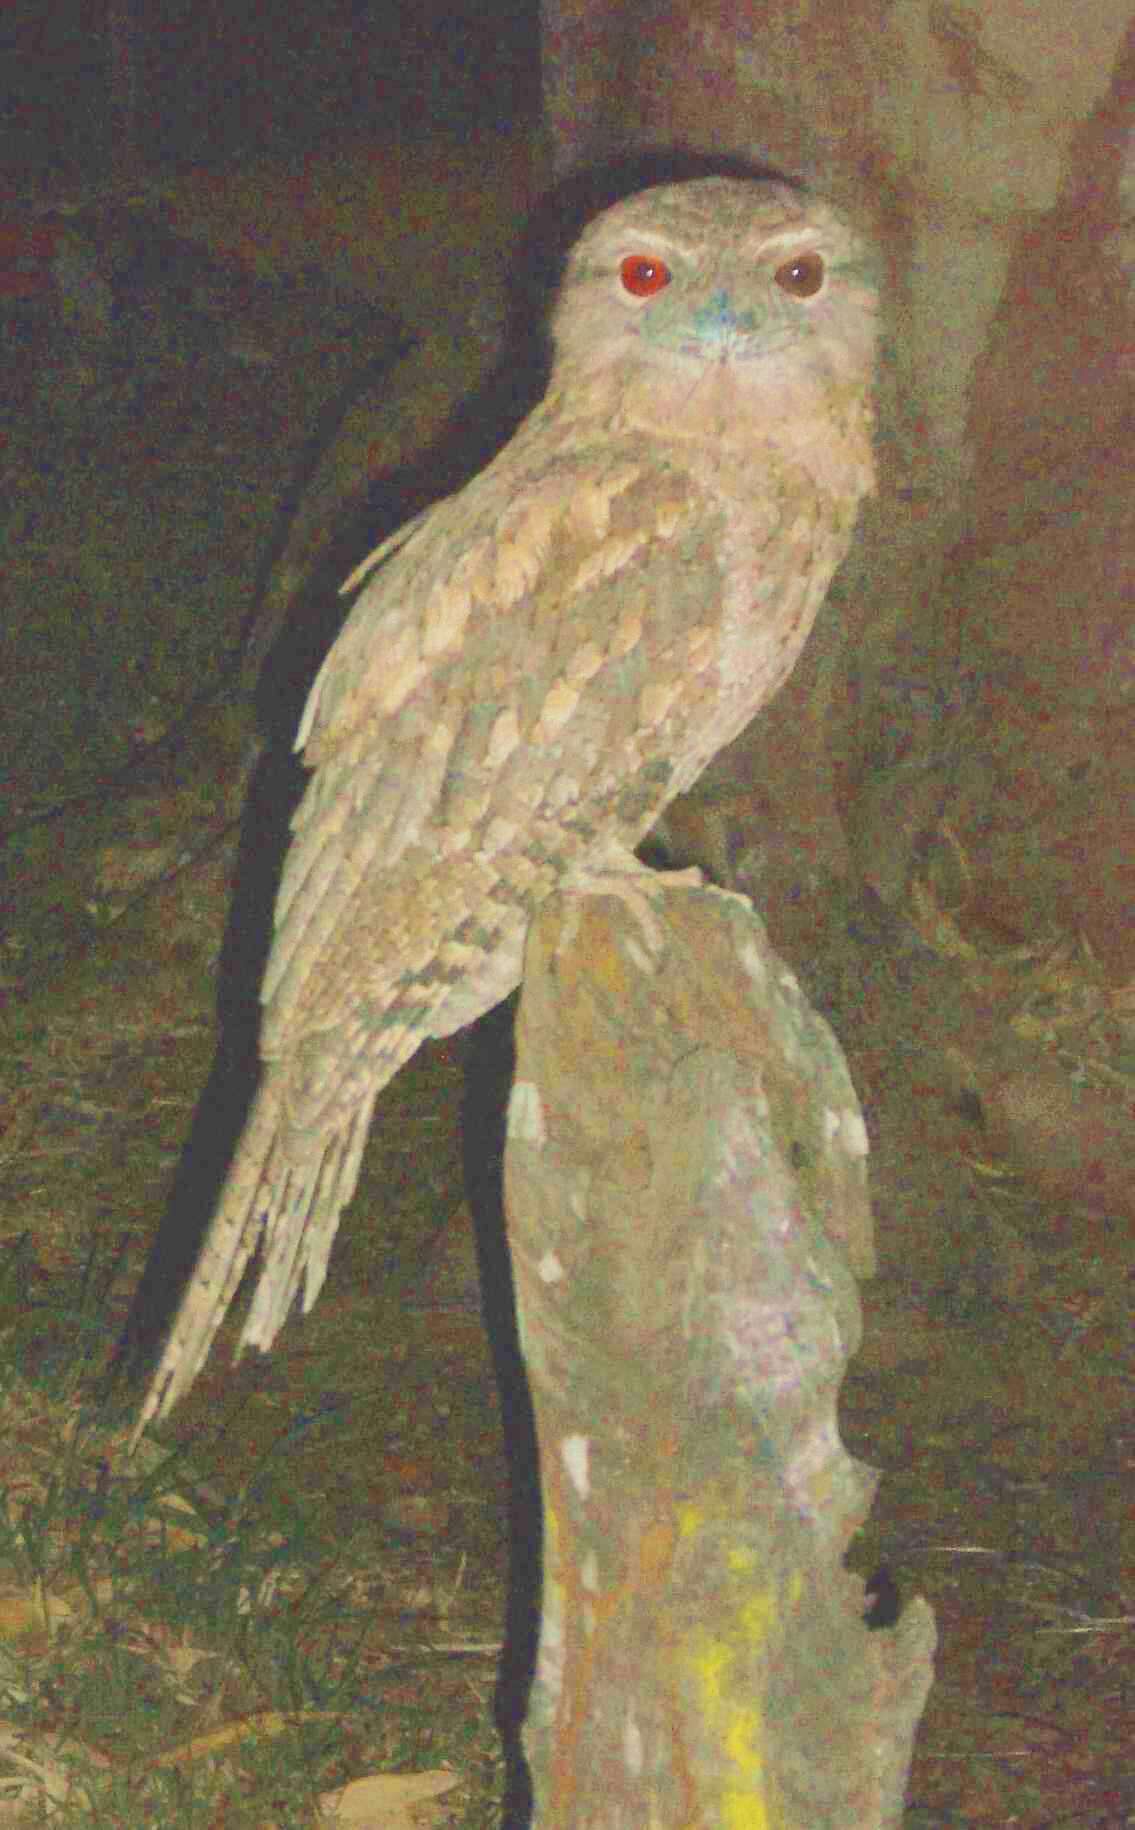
point(537, 666)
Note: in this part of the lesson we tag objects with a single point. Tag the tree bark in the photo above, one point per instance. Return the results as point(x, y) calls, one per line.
point(686, 1196)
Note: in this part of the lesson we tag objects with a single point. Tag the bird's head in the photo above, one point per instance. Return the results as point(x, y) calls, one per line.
point(720, 308)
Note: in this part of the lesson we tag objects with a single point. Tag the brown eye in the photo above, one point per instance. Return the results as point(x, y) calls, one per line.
point(802, 276)
point(643, 275)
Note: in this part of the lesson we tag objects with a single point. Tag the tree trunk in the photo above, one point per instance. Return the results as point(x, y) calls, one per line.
point(687, 1212)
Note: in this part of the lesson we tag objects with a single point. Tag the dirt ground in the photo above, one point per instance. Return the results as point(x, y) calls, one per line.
point(142, 486)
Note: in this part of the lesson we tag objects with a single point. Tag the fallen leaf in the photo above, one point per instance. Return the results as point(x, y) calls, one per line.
point(384, 1801)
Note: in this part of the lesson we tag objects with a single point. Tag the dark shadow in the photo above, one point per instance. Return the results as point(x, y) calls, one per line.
point(489, 1063)
point(221, 1111)
point(257, 657)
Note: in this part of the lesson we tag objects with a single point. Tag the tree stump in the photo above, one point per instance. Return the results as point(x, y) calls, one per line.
point(687, 1211)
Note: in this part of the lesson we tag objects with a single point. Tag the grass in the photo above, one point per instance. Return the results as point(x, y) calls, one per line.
point(174, 1653)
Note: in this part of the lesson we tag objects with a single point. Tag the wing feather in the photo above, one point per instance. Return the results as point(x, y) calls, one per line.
point(415, 795)
point(442, 809)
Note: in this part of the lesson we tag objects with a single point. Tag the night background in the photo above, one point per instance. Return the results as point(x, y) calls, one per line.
point(213, 81)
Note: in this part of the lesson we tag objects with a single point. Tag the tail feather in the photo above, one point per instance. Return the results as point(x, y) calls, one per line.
point(301, 1230)
point(296, 1207)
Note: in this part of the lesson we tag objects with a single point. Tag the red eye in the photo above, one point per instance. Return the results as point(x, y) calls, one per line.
point(802, 276)
point(643, 275)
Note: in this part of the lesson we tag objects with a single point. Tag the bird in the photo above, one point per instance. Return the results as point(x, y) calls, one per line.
point(536, 666)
